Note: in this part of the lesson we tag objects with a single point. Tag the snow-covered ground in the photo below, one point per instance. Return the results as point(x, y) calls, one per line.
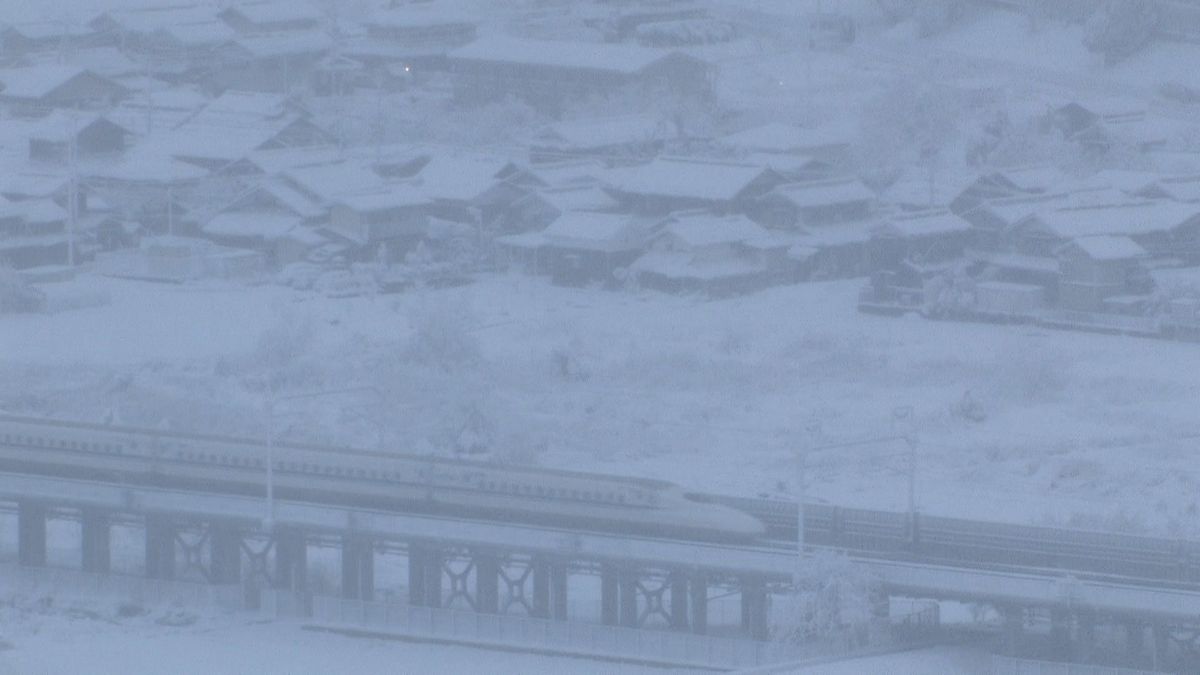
point(1089, 429)
point(97, 639)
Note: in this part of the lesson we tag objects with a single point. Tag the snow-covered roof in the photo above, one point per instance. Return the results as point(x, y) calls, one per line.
point(149, 163)
point(248, 224)
point(1130, 219)
point(1105, 247)
point(291, 43)
point(926, 224)
point(206, 34)
point(816, 193)
point(34, 82)
point(41, 30)
point(34, 211)
point(416, 17)
point(32, 184)
point(781, 137)
point(707, 229)
point(1182, 190)
point(681, 265)
point(687, 178)
point(460, 177)
point(604, 131)
point(598, 231)
point(1123, 180)
point(149, 19)
point(59, 124)
point(609, 57)
point(581, 198)
point(393, 197)
point(293, 199)
point(275, 12)
point(1034, 178)
point(331, 181)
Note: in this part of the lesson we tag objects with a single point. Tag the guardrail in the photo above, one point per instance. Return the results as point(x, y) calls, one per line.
point(589, 639)
point(1007, 665)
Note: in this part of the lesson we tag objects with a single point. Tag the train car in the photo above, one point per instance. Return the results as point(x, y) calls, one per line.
point(409, 483)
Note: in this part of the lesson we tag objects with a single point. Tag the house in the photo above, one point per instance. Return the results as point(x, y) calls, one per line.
point(1099, 268)
point(588, 247)
point(706, 252)
point(815, 203)
point(669, 184)
point(224, 134)
point(1160, 227)
point(551, 75)
point(474, 188)
point(271, 16)
point(272, 62)
point(33, 233)
point(20, 40)
point(89, 136)
point(32, 90)
point(931, 237)
point(624, 138)
point(829, 142)
point(384, 224)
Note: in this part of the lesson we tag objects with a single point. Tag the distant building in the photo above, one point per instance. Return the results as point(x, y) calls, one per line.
point(33, 233)
point(615, 139)
point(271, 16)
point(670, 184)
point(53, 137)
point(815, 203)
point(714, 254)
point(20, 40)
point(549, 75)
point(1096, 270)
point(35, 90)
point(383, 224)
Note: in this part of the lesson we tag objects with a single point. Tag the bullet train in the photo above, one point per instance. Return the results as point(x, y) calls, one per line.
point(400, 482)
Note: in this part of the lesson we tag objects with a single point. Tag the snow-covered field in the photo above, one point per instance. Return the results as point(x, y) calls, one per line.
point(97, 639)
point(1090, 429)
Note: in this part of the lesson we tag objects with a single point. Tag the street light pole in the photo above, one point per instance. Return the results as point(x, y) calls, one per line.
point(808, 443)
point(269, 521)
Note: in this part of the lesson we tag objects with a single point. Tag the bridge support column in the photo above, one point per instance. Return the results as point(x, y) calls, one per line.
point(416, 575)
point(754, 608)
point(31, 534)
point(1014, 625)
point(698, 589)
point(358, 568)
point(1060, 634)
point(1161, 635)
point(1086, 635)
point(679, 601)
point(1135, 639)
point(160, 548)
point(560, 574)
point(225, 554)
point(629, 598)
point(95, 542)
point(541, 588)
point(291, 559)
point(609, 595)
point(487, 583)
point(434, 560)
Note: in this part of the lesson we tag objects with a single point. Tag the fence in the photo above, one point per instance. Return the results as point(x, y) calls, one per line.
point(1007, 665)
point(577, 637)
point(43, 581)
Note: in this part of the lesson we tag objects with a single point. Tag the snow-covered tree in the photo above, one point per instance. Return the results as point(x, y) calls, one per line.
point(913, 122)
point(442, 337)
point(1121, 28)
point(833, 595)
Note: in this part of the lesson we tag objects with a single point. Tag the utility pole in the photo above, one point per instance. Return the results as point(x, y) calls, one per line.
point(903, 426)
point(807, 444)
point(72, 190)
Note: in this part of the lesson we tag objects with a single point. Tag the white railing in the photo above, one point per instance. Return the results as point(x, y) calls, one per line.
point(1007, 665)
point(48, 581)
point(576, 637)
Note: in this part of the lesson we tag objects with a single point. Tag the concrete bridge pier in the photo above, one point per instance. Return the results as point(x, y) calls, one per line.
point(1085, 622)
point(358, 568)
point(160, 547)
point(487, 582)
point(31, 533)
point(678, 582)
point(1135, 639)
point(1060, 634)
point(610, 599)
point(698, 590)
point(291, 559)
point(95, 544)
point(416, 574)
point(225, 554)
point(754, 608)
point(629, 598)
point(1014, 627)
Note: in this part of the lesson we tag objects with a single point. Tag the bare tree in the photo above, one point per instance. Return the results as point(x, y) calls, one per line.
point(1121, 28)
